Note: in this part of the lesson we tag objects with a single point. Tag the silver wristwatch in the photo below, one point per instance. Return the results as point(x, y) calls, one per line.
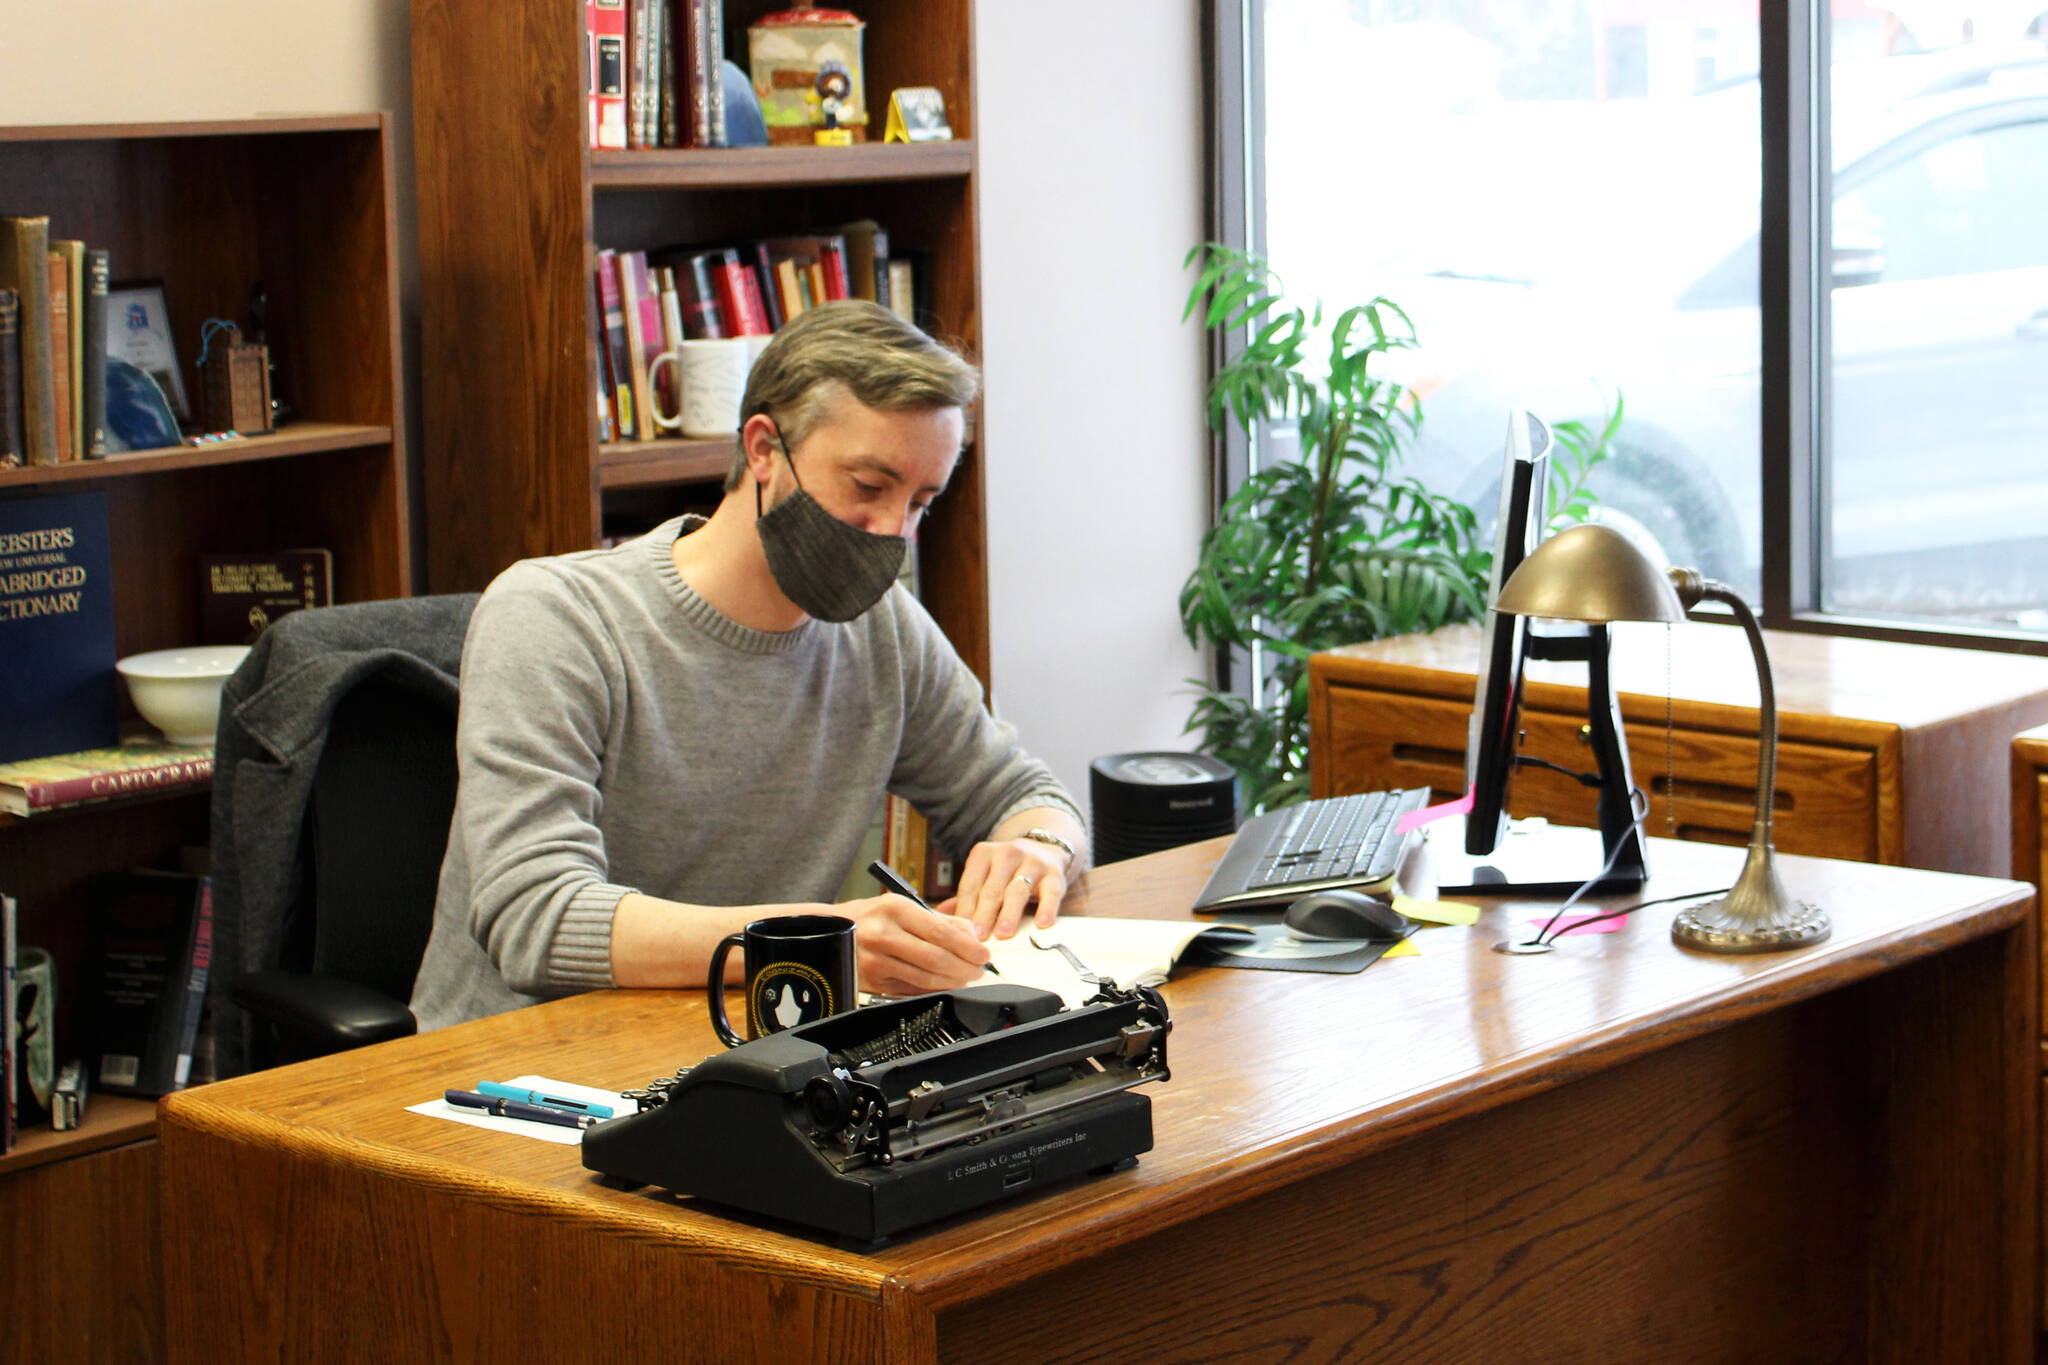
point(1046, 836)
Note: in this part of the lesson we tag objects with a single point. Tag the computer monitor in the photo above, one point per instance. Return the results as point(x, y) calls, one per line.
point(1497, 704)
point(1531, 858)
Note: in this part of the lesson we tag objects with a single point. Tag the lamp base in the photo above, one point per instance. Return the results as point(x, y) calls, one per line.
point(1756, 916)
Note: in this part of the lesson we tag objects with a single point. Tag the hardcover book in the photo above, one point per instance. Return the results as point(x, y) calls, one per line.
point(141, 764)
point(11, 452)
point(60, 355)
point(867, 260)
point(607, 21)
point(93, 340)
point(633, 293)
point(617, 359)
point(57, 688)
point(696, 270)
point(241, 594)
point(24, 268)
point(154, 949)
point(8, 1080)
point(71, 346)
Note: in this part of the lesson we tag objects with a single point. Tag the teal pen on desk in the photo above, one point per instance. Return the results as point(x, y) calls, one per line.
point(526, 1096)
point(515, 1109)
point(890, 878)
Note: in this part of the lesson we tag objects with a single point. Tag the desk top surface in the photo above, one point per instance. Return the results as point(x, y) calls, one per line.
point(1276, 1075)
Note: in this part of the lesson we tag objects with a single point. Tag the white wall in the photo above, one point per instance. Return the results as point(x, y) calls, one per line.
point(1089, 117)
point(1090, 123)
point(153, 61)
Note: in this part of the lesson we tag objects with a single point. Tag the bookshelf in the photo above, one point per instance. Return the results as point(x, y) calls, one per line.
point(513, 207)
point(307, 207)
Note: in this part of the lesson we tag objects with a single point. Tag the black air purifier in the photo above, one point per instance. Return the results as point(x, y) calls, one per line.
point(1148, 801)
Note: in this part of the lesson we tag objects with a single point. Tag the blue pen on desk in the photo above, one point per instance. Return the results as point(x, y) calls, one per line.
point(526, 1096)
point(513, 1109)
point(893, 880)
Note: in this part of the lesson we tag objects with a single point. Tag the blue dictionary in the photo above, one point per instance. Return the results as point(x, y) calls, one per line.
point(57, 690)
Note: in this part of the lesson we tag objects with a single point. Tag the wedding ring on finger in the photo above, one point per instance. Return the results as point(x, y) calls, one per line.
point(1024, 877)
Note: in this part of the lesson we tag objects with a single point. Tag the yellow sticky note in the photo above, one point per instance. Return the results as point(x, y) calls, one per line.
point(1437, 912)
point(1405, 948)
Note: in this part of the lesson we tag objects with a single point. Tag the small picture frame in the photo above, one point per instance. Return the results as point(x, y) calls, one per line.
point(139, 332)
point(917, 113)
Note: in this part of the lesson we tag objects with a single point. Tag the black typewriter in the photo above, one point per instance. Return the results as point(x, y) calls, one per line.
point(869, 1122)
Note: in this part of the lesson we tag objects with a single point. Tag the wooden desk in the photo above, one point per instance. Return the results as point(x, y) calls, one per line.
point(1621, 1151)
point(1887, 752)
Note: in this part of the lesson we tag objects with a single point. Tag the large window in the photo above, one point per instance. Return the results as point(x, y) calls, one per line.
point(1569, 199)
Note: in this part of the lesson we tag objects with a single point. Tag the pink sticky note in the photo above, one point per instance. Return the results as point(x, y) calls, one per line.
point(1415, 819)
point(1577, 923)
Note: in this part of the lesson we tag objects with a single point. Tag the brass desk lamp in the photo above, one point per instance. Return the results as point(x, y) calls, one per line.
point(1595, 573)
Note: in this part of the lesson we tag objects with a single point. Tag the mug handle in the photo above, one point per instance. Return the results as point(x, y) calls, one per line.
point(714, 990)
point(663, 422)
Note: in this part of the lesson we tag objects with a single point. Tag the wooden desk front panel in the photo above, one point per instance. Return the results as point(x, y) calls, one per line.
point(1827, 796)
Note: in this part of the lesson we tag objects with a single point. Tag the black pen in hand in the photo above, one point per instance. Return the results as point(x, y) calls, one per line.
point(892, 880)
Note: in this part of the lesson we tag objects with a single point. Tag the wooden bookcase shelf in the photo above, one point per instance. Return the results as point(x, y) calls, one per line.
point(762, 167)
point(513, 207)
point(110, 1121)
point(300, 438)
point(307, 208)
point(648, 464)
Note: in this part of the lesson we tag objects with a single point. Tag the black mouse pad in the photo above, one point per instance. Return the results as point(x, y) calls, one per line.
point(1272, 948)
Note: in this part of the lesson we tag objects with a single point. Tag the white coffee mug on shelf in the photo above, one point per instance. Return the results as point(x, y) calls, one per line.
point(714, 375)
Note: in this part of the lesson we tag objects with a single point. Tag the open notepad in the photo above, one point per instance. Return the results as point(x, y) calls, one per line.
point(1131, 952)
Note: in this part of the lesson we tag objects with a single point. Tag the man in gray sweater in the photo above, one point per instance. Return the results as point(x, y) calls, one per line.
point(663, 741)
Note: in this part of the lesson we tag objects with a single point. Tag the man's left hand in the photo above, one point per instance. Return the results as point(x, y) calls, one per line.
point(999, 881)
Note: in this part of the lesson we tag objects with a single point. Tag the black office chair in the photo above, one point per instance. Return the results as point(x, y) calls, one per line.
point(334, 786)
point(376, 830)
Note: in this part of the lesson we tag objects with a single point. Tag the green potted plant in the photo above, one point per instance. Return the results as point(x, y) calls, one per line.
point(1336, 546)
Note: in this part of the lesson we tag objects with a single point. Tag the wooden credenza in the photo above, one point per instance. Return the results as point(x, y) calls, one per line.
point(1889, 753)
point(2030, 864)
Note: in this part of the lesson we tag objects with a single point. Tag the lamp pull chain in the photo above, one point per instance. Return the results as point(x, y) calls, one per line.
point(1670, 768)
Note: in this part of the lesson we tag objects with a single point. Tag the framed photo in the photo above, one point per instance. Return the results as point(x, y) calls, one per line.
point(139, 332)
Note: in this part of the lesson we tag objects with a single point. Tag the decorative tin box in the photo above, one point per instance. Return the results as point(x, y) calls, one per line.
point(805, 65)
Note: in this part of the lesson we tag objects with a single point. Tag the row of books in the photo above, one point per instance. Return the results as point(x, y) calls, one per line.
point(650, 302)
point(53, 346)
point(143, 996)
point(655, 76)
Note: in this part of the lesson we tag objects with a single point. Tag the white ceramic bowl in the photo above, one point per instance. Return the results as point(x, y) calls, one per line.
point(178, 690)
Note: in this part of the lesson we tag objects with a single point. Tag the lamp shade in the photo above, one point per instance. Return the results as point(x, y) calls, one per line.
point(1590, 573)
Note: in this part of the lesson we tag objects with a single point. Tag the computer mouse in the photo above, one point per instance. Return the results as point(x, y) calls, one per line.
point(1341, 914)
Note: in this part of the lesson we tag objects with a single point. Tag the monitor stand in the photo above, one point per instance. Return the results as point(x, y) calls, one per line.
point(1535, 859)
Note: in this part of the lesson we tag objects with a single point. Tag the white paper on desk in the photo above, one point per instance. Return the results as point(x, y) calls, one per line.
point(1131, 952)
point(547, 1132)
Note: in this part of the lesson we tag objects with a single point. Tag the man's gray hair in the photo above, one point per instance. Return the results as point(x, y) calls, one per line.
point(853, 347)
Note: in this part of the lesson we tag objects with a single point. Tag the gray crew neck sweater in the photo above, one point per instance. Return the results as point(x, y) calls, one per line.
point(618, 733)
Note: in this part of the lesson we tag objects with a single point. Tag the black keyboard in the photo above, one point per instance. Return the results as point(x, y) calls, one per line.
point(1339, 838)
point(1347, 841)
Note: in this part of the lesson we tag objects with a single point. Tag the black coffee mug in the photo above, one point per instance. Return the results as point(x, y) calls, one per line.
point(799, 968)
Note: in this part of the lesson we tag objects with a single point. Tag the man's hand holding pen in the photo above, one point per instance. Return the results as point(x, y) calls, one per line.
point(907, 949)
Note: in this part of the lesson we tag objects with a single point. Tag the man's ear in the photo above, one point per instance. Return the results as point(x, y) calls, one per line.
point(758, 439)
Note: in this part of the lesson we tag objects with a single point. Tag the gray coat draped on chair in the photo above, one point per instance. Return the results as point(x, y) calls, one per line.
point(273, 727)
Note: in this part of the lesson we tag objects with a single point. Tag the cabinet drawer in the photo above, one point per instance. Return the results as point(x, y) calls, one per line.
point(1383, 741)
point(1826, 797)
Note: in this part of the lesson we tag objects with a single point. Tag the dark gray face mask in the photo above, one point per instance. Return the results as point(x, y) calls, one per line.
point(830, 570)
